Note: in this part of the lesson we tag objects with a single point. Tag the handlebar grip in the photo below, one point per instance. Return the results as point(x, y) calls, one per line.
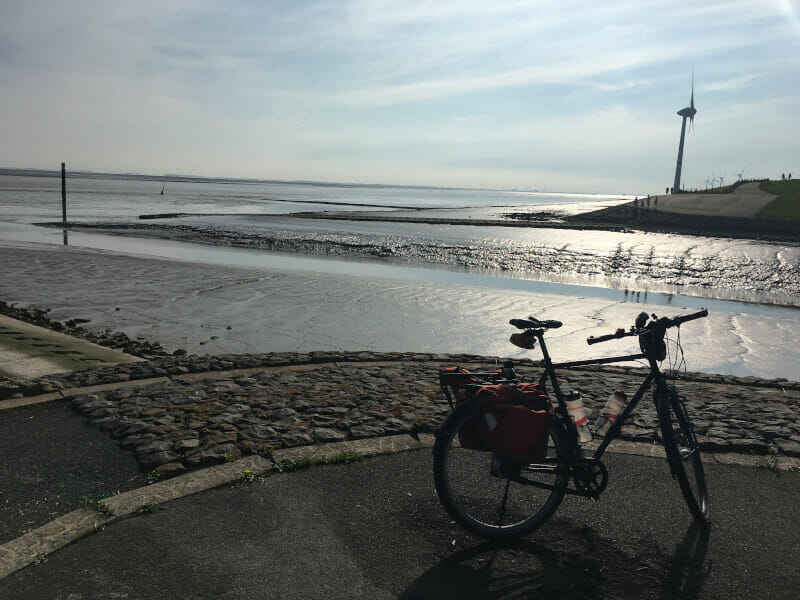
point(698, 315)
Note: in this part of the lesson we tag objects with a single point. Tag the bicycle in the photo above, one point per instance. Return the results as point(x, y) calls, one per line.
point(501, 499)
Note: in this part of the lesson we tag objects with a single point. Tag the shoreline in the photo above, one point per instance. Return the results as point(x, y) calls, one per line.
point(736, 279)
point(623, 218)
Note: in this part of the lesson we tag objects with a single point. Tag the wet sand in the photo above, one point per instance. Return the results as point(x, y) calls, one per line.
point(708, 268)
point(214, 308)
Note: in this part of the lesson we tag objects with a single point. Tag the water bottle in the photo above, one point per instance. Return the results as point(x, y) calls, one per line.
point(614, 405)
point(578, 414)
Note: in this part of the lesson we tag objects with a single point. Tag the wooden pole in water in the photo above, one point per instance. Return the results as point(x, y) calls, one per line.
point(63, 194)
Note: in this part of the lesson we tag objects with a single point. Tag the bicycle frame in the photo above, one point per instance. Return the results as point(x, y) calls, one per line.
point(550, 373)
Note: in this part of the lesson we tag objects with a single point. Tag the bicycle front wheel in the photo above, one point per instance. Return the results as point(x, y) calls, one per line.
point(683, 452)
point(513, 501)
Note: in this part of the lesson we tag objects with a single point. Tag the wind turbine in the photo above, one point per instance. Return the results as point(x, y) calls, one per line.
point(740, 174)
point(722, 180)
point(687, 113)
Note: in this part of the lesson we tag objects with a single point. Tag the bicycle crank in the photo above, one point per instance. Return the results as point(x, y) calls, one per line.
point(590, 477)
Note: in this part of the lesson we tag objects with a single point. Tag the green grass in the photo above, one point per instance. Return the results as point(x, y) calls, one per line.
point(787, 204)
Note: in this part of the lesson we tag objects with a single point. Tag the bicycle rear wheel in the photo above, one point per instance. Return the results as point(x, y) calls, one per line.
point(515, 502)
point(683, 452)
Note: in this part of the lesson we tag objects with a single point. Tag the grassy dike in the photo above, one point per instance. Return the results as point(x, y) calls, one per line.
point(787, 204)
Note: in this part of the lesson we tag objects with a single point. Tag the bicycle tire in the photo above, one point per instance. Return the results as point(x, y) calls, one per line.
point(683, 453)
point(490, 506)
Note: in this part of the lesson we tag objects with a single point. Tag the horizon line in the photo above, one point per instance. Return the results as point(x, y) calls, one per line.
point(218, 179)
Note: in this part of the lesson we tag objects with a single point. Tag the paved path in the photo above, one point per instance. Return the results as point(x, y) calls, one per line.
point(375, 529)
point(28, 351)
point(745, 201)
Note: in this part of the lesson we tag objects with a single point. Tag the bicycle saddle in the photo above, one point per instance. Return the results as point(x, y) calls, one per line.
point(532, 323)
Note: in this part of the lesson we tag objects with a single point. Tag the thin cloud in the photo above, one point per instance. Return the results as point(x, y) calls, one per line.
point(728, 85)
point(570, 71)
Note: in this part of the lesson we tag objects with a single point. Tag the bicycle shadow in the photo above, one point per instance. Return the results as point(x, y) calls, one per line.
point(686, 572)
point(573, 563)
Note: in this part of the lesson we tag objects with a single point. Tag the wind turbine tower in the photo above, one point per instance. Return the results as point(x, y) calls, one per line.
point(687, 113)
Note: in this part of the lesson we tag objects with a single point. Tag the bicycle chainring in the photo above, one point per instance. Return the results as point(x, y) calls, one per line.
point(590, 478)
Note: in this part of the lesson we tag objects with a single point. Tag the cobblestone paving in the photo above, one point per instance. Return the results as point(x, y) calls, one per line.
point(190, 421)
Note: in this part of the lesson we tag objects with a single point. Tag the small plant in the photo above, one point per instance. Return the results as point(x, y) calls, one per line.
point(246, 477)
point(150, 508)
point(288, 466)
point(768, 460)
point(96, 505)
point(153, 477)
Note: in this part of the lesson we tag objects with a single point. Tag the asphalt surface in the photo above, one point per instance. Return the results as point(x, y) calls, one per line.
point(375, 529)
point(50, 458)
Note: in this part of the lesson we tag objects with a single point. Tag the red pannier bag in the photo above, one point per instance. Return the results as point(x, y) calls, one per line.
point(514, 422)
point(454, 379)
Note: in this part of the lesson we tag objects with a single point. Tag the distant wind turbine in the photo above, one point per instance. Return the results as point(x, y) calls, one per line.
point(739, 175)
point(687, 113)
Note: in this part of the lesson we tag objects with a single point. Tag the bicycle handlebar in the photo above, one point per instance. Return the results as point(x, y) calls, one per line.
point(664, 322)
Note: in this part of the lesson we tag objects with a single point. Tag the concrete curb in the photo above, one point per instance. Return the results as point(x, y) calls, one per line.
point(34, 545)
point(28, 349)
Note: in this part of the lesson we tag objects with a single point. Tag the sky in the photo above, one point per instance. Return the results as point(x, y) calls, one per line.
point(549, 96)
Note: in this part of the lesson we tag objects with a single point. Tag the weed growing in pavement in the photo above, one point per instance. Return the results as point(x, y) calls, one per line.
point(103, 509)
point(150, 508)
point(768, 460)
point(246, 477)
point(153, 477)
point(287, 466)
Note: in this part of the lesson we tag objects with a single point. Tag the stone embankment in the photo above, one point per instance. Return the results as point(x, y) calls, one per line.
point(182, 413)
